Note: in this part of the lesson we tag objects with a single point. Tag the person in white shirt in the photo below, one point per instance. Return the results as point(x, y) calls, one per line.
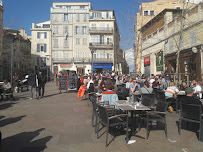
point(197, 89)
point(127, 85)
point(91, 81)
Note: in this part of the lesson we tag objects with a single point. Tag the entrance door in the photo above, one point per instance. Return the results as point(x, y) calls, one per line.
point(81, 71)
point(98, 70)
point(55, 72)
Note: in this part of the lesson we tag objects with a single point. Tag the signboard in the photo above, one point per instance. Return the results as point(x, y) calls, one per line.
point(194, 50)
point(63, 82)
point(147, 61)
point(159, 61)
point(72, 80)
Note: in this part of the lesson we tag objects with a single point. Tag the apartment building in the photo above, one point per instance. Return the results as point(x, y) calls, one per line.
point(1, 36)
point(16, 54)
point(161, 41)
point(41, 46)
point(70, 36)
point(147, 12)
point(104, 40)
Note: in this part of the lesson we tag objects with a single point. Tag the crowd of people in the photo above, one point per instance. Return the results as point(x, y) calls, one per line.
point(111, 82)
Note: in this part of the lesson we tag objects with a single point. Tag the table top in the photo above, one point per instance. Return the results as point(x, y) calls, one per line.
point(136, 93)
point(123, 105)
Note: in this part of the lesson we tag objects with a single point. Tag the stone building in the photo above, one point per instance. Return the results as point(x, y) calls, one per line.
point(1, 36)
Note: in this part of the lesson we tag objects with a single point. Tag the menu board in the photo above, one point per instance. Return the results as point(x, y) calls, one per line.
point(72, 80)
point(63, 82)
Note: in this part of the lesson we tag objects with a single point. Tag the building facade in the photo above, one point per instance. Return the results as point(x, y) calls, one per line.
point(16, 54)
point(82, 39)
point(41, 46)
point(147, 12)
point(168, 33)
point(1, 37)
point(70, 37)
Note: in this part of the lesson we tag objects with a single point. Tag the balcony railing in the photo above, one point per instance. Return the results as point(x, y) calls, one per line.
point(101, 45)
point(100, 30)
point(61, 60)
point(102, 60)
point(82, 60)
point(75, 60)
point(66, 10)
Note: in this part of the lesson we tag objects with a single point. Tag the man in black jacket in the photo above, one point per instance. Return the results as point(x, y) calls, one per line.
point(32, 78)
point(42, 82)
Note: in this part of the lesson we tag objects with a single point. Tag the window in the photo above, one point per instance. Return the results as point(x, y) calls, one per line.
point(41, 35)
point(102, 26)
point(107, 15)
point(77, 55)
point(66, 17)
point(82, 7)
point(84, 55)
point(95, 38)
point(102, 54)
point(94, 54)
point(97, 15)
point(84, 41)
point(68, 7)
point(145, 13)
point(93, 26)
point(77, 30)
point(65, 55)
point(85, 18)
point(65, 43)
point(55, 43)
point(55, 55)
point(77, 17)
point(84, 30)
point(152, 13)
point(109, 56)
point(192, 38)
point(65, 29)
point(41, 47)
point(77, 41)
point(170, 46)
point(55, 29)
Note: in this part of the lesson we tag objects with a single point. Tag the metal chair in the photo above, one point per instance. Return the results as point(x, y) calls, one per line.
point(148, 99)
point(191, 113)
point(159, 115)
point(111, 121)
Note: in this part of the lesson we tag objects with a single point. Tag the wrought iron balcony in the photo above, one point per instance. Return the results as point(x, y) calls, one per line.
point(81, 60)
point(62, 60)
point(102, 60)
point(99, 45)
point(99, 30)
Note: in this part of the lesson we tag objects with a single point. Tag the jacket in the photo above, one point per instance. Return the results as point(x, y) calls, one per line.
point(32, 80)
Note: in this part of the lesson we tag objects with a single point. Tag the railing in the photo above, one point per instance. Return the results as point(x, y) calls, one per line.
point(100, 30)
point(102, 60)
point(66, 10)
point(61, 60)
point(81, 59)
point(100, 45)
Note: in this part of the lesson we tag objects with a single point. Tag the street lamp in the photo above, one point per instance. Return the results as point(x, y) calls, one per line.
point(92, 59)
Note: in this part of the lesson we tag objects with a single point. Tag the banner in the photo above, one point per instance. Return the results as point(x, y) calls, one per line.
point(147, 61)
point(159, 61)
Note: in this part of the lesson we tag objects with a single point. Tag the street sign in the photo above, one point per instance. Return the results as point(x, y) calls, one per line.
point(194, 50)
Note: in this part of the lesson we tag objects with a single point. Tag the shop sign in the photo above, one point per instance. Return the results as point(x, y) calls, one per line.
point(65, 65)
point(194, 50)
point(159, 61)
point(147, 61)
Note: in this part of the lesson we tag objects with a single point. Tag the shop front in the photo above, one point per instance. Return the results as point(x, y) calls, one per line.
point(100, 67)
point(189, 64)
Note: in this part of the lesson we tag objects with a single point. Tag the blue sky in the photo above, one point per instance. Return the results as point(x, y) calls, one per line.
point(22, 13)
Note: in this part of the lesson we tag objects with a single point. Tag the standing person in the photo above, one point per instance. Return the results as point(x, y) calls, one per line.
point(197, 89)
point(42, 81)
point(16, 82)
point(32, 82)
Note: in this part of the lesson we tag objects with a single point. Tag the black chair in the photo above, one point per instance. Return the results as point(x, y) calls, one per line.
point(191, 113)
point(155, 90)
point(178, 99)
point(111, 121)
point(161, 96)
point(159, 115)
point(148, 99)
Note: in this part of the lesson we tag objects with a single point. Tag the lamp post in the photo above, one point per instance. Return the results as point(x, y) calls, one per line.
point(92, 59)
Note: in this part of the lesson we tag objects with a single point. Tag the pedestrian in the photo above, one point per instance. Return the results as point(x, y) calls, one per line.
point(42, 81)
point(32, 82)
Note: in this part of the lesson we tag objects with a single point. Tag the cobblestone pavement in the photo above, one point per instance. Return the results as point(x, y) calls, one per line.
point(62, 123)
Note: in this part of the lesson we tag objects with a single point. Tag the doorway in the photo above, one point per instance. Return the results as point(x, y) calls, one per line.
point(98, 70)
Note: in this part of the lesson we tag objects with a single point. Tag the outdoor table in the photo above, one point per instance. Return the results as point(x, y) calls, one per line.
point(126, 106)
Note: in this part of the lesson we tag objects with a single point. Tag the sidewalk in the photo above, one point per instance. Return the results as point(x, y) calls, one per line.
point(62, 123)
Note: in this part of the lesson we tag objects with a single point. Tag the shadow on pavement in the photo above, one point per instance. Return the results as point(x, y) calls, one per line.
point(10, 121)
point(6, 105)
point(51, 95)
point(23, 142)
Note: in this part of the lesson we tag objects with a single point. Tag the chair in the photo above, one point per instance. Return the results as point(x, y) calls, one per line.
point(159, 115)
point(148, 99)
point(191, 113)
point(161, 96)
point(111, 121)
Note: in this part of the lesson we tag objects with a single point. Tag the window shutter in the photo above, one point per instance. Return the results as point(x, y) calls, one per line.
point(45, 47)
point(45, 35)
point(38, 47)
point(38, 35)
point(74, 30)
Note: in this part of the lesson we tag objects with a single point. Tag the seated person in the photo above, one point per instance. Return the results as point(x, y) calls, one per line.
point(183, 86)
point(134, 87)
point(6, 86)
point(128, 83)
point(197, 89)
point(146, 89)
point(189, 98)
point(156, 83)
point(171, 90)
